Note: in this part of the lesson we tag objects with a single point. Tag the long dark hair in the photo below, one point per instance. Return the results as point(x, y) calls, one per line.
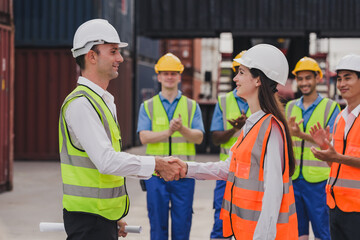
point(270, 103)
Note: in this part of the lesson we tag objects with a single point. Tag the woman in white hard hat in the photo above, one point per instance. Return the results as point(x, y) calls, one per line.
point(259, 199)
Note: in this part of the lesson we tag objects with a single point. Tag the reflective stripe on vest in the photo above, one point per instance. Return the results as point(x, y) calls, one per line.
point(343, 186)
point(179, 146)
point(244, 190)
point(85, 188)
point(230, 110)
point(313, 170)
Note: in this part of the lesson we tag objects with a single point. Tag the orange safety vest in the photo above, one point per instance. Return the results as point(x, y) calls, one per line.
point(343, 187)
point(244, 190)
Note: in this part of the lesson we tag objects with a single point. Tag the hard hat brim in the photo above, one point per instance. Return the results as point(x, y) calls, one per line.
point(88, 46)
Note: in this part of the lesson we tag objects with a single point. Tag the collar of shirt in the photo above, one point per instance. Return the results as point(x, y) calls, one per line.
point(97, 89)
point(345, 114)
point(300, 102)
point(250, 121)
point(178, 96)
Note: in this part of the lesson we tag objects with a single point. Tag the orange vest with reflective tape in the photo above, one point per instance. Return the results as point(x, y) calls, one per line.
point(343, 187)
point(244, 190)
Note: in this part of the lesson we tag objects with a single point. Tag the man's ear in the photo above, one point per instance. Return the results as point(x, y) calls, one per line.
point(91, 56)
point(317, 78)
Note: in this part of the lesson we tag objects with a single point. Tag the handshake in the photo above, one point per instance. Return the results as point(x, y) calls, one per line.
point(170, 168)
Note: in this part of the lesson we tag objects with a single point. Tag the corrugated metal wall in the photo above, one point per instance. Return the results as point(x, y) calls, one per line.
point(5, 12)
point(146, 84)
point(6, 98)
point(46, 77)
point(52, 23)
point(208, 18)
point(121, 89)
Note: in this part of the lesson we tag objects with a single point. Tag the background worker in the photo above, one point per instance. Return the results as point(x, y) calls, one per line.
point(259, 200)
point(227, 120)
point(170, 124)
point(310, 175)
point(92, 164)
point(343, 186)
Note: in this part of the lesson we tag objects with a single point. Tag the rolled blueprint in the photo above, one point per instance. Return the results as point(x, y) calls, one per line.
point(51, 227)
point(59, 227)
point(133, 229)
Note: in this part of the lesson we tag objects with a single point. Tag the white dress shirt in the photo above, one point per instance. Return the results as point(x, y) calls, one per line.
point(88, 133)
point(273, 184)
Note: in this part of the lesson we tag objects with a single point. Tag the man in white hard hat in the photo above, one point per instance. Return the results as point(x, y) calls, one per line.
point(310, 175)
point(343, 186)
point(92, 164)
point(230, 114)
point(170, 124)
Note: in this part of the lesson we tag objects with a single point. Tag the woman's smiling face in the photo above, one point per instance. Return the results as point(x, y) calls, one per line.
point(246, 85)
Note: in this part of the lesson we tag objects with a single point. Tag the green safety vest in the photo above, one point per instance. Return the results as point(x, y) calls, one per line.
point(313, 170)
point(176, 144)
point(85, 188)
point(230, 110)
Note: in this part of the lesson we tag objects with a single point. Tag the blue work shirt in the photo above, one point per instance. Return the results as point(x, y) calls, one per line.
point(306, 113)
point(217, 119)
point(144, 122)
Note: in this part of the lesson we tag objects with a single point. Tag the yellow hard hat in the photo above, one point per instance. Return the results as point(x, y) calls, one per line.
point(169, 62)
point(236, 64)
point(307, 64)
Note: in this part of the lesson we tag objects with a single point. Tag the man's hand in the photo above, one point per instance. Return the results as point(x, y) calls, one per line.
point(329, 154)
point(169, 170)
point(176, 124)
point(239, 122)
point(294, 127)
point(121, 228)
point(181, 163)
point(321, 136)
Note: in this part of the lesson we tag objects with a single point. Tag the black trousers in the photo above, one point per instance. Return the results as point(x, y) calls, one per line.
point(344, 225)
point(83, 226)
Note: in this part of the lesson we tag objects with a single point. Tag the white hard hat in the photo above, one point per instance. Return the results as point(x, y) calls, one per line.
point(269, 59)
point(349, 62)
point(94, 32)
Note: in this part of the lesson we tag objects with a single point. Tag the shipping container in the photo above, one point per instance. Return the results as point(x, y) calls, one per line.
point(52, 23)
point(148, 49)
point(5, 12)
point(122, 90)
point(44, 77)
point(208, 18)
point(6, 106)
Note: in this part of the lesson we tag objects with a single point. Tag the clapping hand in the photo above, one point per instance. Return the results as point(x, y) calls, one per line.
point(321, 136)
point(239, 122)
point(176, 124)
point(294, 127)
